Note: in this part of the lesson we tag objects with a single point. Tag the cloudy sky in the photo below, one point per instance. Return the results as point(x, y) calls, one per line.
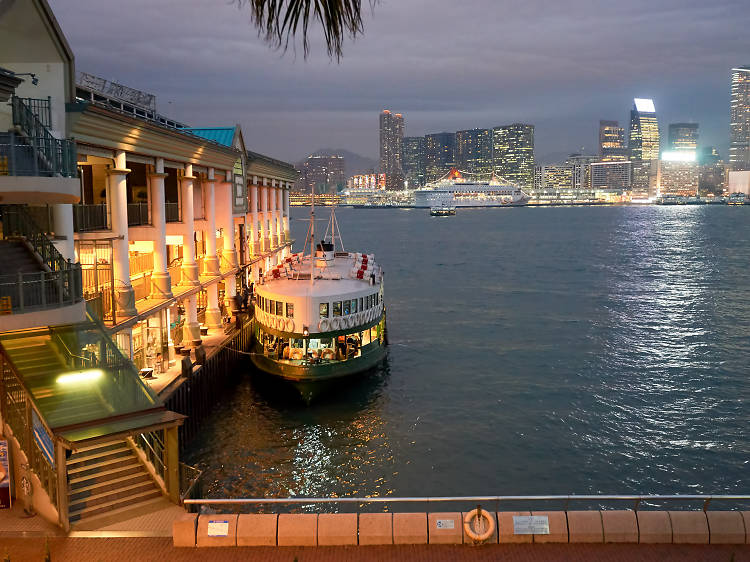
point(446, 65)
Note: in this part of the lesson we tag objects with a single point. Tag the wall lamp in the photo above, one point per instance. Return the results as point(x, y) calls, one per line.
point(305, 331)
point(34, 79)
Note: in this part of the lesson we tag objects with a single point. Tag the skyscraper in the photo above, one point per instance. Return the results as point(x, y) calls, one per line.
point(611, 141)
point(644, 131)
point(513, 153)
point(439, 155)
point(739, 128)
point(474, 153)
point(683, 136)
point(414, 161)
point(323, 173)
point(643, 145)
point(391, 146)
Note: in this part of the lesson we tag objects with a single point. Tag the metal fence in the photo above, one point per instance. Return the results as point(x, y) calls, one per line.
point(40, 290)
point(42, 108)
point(172, 211)
point(90, 217)
point(138, 214)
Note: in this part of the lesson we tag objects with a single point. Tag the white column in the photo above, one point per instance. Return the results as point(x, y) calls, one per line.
point(264, 219)
point(62, 215)
point(118, 190)
point(161, 283)
point(287, 235)
point(279, 213)
point(254, 217)
point(272, 214)
point(211, 262)
point(229, 257)
point(213, 314)
point(189, 265)
point(191, 331)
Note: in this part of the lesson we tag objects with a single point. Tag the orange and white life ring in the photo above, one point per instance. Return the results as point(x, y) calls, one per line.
point(479, 528)
point(323, 325)
point(289, 325)
point(335, 323)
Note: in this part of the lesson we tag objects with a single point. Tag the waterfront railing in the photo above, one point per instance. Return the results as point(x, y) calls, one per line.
point(637, 500)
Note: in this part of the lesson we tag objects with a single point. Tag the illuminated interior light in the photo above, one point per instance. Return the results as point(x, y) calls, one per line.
point(80, 376)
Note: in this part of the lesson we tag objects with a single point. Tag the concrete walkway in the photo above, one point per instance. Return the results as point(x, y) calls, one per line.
point(161, 550)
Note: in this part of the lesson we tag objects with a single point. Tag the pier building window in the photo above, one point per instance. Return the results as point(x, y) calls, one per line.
point(337, 308)
point(279, 308)
point(323, 307)
point(290, 310)
point(347, 308)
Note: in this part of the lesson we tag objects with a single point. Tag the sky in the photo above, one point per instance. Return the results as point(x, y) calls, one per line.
point(445, 65)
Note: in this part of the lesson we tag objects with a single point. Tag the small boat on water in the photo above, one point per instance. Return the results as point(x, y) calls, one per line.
point(442, 211)
point(737, 198)
point(321, 316)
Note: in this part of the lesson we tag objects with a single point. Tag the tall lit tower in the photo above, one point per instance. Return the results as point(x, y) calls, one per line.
point(391, 147)
point(439, 155)
point(611, 141)
point(683, 136)
point(739, 128)
point(513, 153)
point(413, 161)
point(644, 131)
point(474, 152)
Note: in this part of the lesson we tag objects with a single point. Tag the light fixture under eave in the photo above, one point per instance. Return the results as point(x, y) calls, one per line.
point(74, 377)
point(305, 331)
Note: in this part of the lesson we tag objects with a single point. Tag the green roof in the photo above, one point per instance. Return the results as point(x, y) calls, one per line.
point(219, 135)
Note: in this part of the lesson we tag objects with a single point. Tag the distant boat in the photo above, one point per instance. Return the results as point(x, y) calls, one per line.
point(442, 211)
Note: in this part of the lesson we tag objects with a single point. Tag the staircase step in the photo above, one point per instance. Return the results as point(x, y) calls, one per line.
point(107, 507)
point(91, 474)
point(84, 500)
point(97, 456)
point(91, 449)
point(120, 514)
point(113, 484)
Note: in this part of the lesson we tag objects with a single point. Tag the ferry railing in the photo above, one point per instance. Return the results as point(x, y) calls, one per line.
point(473, 500)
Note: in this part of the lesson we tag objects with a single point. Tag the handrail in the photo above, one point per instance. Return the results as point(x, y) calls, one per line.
point(474, 499)
point(20, 222)
point(155, 454)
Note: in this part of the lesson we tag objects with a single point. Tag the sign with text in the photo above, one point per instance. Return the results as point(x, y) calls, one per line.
point(445, 524)
point(4, 476)
point(218, 528)
point(530, 525)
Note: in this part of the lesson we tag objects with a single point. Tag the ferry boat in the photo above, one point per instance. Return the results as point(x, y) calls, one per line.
point(442, 211)
point(456, 190)
point(737, 198)
point(320, 317)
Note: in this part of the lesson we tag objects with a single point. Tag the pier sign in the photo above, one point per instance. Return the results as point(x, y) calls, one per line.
point(445, 524)
point(530, 525)
point(218, 528)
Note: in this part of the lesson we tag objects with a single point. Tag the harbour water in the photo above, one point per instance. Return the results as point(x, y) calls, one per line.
point(532, 351)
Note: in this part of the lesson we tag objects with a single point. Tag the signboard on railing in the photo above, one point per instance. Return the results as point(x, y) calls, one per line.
point(4, 476)
point(6, 306)
point(43, 440)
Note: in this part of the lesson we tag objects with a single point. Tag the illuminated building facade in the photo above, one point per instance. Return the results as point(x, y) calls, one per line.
point(323, 173)
point(683, 136)
point(366, 181)
point(678, 173)
point(554, 177)
point(391, 146)
point(439, 155)
point(414, 161)
point(474, 153)
point(513, 153)
point(610, 176)
point(612, 141)
point(644, 131)
point(581, 169)
point(739, 127)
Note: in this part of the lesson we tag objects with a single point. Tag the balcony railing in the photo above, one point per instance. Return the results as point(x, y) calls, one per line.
point(137, 214)
point(172, 211)
point(36, 152)
point(42, 108)
point(89, 217)
point(41, 290)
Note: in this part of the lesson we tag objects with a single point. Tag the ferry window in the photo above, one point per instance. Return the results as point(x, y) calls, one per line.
point(337, 308)
point(354, 306)
point(347, 308)
point(271, 307)
point(290, 310)
point(367, 298)
point(279, 308)
point(324, 310)
point(361, 302)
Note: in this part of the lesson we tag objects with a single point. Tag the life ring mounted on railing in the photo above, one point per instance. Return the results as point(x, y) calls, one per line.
point(323, 325)
point(479, 524)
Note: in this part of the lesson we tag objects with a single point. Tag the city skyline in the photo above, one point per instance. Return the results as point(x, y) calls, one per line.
point(554, 80)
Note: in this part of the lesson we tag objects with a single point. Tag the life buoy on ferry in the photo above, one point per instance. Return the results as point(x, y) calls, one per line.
point(484, 523)
point(289, 325)
point(323, 325)
point(350, 322)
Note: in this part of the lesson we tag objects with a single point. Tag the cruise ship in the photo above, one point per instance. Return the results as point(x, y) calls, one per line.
point(455, 189)
point(320, 316)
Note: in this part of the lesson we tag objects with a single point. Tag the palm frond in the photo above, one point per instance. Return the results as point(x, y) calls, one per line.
point(279, 21)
